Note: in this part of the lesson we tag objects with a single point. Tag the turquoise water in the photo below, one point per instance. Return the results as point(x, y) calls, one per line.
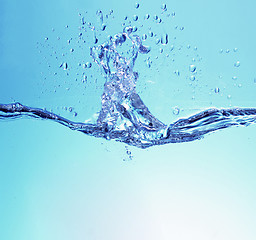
point(59, 184)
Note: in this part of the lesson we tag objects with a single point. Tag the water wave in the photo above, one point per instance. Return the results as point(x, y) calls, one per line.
point(123, 115)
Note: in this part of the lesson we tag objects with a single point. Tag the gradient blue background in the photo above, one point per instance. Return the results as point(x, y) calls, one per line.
point(59, 184)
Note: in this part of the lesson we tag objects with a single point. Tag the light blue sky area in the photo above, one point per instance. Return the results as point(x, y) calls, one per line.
point(59, 184)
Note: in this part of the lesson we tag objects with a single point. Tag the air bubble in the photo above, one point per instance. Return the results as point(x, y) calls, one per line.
point(181, 28)
point(155, 17)
point(151, 34)
point(229, 97)
point(70, 109)
point(134, 29)
point(228, 50)
point(235, 49)
point(234, 78)
point(72, 50)
point(192, 68)
point(237, 64)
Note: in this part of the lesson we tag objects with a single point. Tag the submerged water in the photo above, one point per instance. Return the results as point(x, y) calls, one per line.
point(123, 115)
point(185, 71)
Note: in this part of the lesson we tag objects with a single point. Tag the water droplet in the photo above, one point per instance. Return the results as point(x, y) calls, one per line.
point(216, 90)
point(70, 109)
point(192, 78)
point(237, 64)
point(103, 27)
point(84, 79)
point(192, 68)
point(181, 28)
point(159, 20)
point(72, 50)
point(176, 111)
point(221, 51)
point(234, 78)
point(95, 40)
point(164, 39)
point(229, 97)
point(177, 72)
point(75, 114)
point(151, 34)
point(46, 39)
point(136, 5)
point(163, 7)
point(135, 17)
point(134, 29)
point(88, 65)
point(144, 37)
point(149, 63)
point(147, 16)
point(235, 49)
point(155, 17)
point(227, 51)
point(83, 20)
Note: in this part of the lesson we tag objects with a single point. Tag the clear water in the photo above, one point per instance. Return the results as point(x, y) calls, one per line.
point(115, 65)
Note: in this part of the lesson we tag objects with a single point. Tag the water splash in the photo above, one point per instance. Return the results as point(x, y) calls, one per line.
point(123, 116)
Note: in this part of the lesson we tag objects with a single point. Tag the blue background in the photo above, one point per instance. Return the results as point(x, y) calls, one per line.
point(59, 184)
